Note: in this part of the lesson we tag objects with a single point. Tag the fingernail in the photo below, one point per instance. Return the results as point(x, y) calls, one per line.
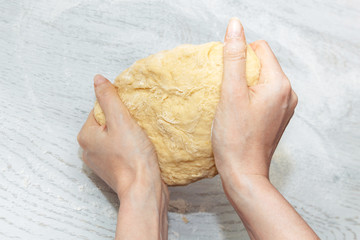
point(234, 29)
point(99, 80)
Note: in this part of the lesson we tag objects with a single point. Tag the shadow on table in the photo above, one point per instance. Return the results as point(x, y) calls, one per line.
point(110, 195)
point(206, 196)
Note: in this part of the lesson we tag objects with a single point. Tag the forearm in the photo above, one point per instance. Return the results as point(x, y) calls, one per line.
point(264, 211)
point(143, 214)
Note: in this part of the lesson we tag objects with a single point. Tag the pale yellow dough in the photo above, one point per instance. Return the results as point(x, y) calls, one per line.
point(173, 96)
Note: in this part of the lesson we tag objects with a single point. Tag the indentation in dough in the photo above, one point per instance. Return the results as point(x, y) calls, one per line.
point(173, 95)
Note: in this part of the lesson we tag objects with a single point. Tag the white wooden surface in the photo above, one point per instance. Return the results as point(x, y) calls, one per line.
point(50, 50)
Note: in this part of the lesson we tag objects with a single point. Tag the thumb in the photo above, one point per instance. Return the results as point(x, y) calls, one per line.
point(234, 76)
point(109, 101)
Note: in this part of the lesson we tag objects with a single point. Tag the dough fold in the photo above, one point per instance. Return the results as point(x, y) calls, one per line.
point(173, 96)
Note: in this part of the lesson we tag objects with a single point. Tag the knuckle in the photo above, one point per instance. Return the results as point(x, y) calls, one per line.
point(81, 139)
point(286, 87)
point(105, 93)
point(105, 89)
point(235, 51)
point(262, 44)
point(295, 100)
point(284, 93)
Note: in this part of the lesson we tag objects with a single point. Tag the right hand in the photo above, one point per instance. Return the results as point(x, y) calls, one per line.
point(249, 121)
point(248, 125)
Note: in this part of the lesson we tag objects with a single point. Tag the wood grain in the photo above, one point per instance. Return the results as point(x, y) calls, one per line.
point(50, 50)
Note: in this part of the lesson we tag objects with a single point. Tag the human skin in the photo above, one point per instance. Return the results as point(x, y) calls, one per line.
point(248, 125)
point(122, 155)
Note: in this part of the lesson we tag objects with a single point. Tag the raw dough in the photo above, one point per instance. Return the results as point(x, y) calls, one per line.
point(173, 96)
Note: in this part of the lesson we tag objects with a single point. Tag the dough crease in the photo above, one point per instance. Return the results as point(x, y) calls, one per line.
point(173, 96)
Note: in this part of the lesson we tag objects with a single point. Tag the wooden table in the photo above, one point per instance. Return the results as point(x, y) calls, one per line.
point(50, 51)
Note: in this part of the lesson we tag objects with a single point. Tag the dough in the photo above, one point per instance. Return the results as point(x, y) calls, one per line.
point(173, 96)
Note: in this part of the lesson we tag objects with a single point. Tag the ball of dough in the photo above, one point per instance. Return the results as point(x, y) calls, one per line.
point(173, 96)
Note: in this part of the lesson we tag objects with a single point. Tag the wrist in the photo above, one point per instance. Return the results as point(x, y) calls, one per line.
point(145, 190)
point(241, 186)
point(233, 167)
point(145, 206)
point(140, 180)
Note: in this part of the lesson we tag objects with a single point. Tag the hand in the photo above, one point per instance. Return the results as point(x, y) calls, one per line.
point(248, 124)
point(249, 121)
point(122, 155)
point(119, 152)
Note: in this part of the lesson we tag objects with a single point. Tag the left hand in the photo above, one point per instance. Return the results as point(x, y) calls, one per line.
point(119, 152)
point(122, 155)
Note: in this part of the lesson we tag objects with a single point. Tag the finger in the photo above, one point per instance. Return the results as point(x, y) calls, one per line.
point(88, 130)
point(91, 121)
point(234, 76)
point(271, 70)
point(252, 45)
point(109, 101)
